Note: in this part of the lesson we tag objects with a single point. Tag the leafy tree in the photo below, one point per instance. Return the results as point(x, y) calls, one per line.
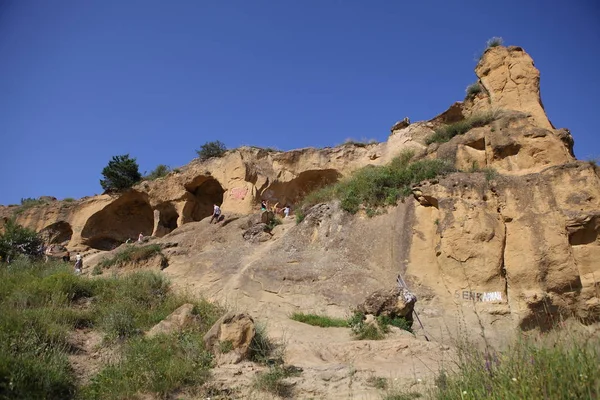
point(158, 172)
point(19, 240)
point(211, 149)
point(121, 173)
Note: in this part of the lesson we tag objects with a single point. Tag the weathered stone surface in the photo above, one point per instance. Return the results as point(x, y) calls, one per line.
point(176, 321)
point(230, 337)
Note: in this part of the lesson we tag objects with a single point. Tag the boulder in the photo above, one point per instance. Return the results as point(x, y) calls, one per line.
point(396, 302)
point(230, 337)
point(176, 321)
point(257, 233)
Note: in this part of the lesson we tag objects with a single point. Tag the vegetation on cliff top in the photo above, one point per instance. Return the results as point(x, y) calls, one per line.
point(43, 305)
point(211, 149)
point(376, 186)
point(122, 172)
point(447, 132)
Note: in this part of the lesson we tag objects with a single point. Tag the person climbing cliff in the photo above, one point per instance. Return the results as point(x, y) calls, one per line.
point(216, 214)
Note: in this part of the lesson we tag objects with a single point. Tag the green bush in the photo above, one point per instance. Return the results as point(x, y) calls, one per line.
point(68, 199)
point(17, 240)
point(211, 149)
point(273, 222)
point(300, 216)
point(494, 42)
point(160, 171)
point(131, 253)
point(368, 331)
point(447, 132)
point(373, 187)
point(473, 90)
point(319, 320)
point(263, 349)
point(121, 173)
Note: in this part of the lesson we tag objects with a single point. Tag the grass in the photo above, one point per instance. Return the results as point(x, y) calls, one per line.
point(271, 381)
point(562, 367)
point(360, 143)
point(319, 320)
point(160, 171)
point(42, 303)
point(373, 187)
point(447, 132)
point(132, 254)
point(300, 216)
point(29, 202)
point(68, 199)
point(263, 349)
point(362, 330)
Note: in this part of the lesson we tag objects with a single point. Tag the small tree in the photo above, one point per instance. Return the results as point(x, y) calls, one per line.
point(18, 240)
point(121, 173)
point(160, 171)
point(211, 149)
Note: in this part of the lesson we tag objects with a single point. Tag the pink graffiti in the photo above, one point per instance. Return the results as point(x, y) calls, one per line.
point(239, 193)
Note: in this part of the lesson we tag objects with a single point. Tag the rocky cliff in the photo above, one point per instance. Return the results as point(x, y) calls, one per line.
point(509, 240)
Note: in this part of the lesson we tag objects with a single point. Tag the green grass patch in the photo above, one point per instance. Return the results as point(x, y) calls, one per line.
point(447, 132)
point(377, 186)
point(473, 90)
point(42, 303)
point(563, 367)
point(159, 365)
point(263, 349)
point(319, 320)
point(362, 330)
point(271, 381)
point(131, 254)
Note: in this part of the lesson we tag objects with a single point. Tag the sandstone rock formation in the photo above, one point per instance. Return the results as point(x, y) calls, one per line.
point(176, 321)
point(512, 240)
point(230, 337)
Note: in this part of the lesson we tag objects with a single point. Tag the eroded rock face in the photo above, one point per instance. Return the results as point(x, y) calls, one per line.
point(230, 337)
point(513, 245)
point(511, 82)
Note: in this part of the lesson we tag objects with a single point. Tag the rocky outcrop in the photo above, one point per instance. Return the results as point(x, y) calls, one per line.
point(396, 302)
point(510, 81)
point(176, 321)
point(230, 338)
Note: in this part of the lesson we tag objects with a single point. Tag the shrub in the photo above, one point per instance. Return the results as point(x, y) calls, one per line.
point(211, 149)
point(131, 253)
point(17, 240)
point(447, 132)
point(273, 222)
point(272, 380)
point(160, 171)
point(494, 42)
point(300, 216)
point(373, 187)
point(264, 350)
point(319, 320)
point(68, 199)
point(121, 173)
point(473, 90)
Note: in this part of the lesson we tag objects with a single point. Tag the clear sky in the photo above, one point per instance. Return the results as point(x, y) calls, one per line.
point(81, 81)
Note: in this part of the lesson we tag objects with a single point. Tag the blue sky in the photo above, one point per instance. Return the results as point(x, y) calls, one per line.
point(81, 81)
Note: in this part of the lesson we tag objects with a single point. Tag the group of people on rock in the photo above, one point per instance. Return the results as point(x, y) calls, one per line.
point(285, 211)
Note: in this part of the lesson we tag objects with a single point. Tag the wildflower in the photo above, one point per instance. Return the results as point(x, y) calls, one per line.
point(419, 380)
point(514, 379)
point(464, 392)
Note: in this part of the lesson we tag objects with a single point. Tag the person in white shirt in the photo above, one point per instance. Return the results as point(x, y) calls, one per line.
point(216, 214)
